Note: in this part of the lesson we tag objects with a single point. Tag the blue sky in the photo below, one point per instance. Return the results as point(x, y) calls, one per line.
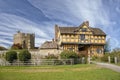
point(40, 16)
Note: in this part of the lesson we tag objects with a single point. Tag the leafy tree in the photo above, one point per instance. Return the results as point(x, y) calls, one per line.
point(116, 50)
point(112, 55)
point(24, 55)
point(16, 46)
point(2, 48)
point(107, 46)
point(11, 56)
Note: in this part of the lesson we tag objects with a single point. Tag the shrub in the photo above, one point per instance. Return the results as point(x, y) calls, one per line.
point(11, 56)
point(68, 55)
point(24, 56)
point(51, 56)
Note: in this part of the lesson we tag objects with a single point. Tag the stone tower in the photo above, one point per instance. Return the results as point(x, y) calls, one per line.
point(27, 40)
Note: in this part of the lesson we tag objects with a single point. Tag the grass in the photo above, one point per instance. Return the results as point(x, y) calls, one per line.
point(118, 64)
point(65, 72)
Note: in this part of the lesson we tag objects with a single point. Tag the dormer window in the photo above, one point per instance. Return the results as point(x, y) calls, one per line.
point(84, 29)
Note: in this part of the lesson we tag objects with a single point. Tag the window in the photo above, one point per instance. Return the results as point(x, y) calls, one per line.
point(82, 36)
point(71, 49)
point(99, 51)
point(84, 29)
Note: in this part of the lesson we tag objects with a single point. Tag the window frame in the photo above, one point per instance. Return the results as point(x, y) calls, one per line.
point(84, 29)
point(82, 36)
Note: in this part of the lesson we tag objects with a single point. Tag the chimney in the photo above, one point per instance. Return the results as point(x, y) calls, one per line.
point(56, 31)
point(86, 23)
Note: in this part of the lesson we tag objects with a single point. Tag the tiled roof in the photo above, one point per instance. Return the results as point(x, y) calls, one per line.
point(67, 29)
point(71, 30)
point(97, 31)
point(49, 45)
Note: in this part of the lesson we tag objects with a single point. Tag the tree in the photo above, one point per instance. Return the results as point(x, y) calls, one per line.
point(24, 55)
point(2, 48)
point(116, 49)
point(107, 46)
point(16, 46)
point(11, 56)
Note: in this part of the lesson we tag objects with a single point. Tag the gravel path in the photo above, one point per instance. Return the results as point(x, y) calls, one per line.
point(110, 66)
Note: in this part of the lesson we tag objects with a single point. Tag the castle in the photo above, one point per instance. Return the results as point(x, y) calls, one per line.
point(26, 40)
point(82, 39)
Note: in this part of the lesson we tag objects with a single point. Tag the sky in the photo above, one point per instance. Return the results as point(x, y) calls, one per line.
point(40, 16)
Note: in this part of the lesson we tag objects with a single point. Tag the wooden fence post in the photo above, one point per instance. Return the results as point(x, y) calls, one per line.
point(83, 60)
point(109, 59)
point(88, 59)
point(115, 60)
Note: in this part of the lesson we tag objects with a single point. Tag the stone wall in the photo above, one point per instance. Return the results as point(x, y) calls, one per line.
point(37, 54)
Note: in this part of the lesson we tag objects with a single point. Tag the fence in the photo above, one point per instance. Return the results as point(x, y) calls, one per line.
point(113, 59)
point(39, 62)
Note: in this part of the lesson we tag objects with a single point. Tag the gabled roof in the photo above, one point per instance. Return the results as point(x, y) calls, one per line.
point(67, 29)
point(72, 30)
point(97, 31)
point(49, 45)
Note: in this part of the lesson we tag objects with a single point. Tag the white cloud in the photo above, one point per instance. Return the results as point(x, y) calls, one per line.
point(93, 11)
point(55, 10)
point(13, 23)
point(40, 41)
point(59, 11)
point(20, 23)
point(4, 45)
point(5, 41)
point(5, 33)
point(114, 43)
point(118, 9)
point(74, 11)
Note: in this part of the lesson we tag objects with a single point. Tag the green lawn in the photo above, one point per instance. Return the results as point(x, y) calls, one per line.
point(67, 72)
